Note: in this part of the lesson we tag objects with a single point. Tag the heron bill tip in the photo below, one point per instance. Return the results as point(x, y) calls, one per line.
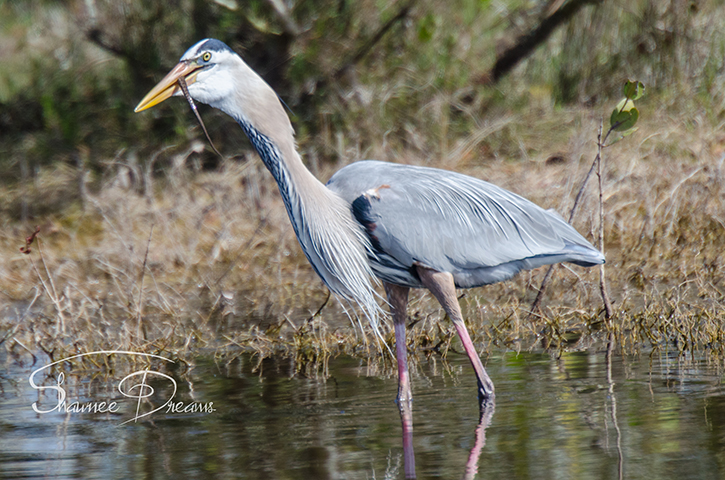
point(168, 86)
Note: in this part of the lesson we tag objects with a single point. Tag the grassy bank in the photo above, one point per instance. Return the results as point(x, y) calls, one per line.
point(198, 260)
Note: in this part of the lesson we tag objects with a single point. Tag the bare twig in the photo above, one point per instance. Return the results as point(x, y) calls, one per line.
point(368, 46)
point(48, 287)
point(56, 299)
point(148, 174)
point(94, 35)
point(22, 317)
point(139, 306)
point(536, 305)
point(535, 37)
point(609, 311)
point(319, 310)
point(581, 191)
point(285, 17)
point(29, 240)
point(260, 226)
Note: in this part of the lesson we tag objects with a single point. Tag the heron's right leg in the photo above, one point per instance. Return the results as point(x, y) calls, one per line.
point(443, 287)
point(398, 299)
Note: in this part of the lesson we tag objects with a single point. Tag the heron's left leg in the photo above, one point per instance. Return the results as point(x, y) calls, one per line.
point(398, 299)
point(443, 287)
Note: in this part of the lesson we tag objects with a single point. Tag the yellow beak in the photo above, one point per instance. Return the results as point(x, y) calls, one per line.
point(169, 85)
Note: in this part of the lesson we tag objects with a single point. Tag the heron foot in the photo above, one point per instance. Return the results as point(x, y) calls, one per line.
point(485, 390)
point(486, 401)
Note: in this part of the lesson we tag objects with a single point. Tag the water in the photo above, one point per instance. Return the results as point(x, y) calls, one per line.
point(560, 418)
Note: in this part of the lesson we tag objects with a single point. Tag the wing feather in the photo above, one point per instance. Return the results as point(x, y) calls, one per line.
point(454, 223)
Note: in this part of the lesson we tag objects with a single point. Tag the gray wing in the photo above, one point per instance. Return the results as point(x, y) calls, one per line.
point(453, 223)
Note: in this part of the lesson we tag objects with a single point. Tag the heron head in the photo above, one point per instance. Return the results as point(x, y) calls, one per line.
point(207, 68)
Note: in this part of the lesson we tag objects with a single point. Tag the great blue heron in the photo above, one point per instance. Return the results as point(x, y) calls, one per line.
point(409, 226)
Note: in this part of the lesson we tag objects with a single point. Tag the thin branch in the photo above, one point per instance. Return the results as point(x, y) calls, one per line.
point(139, 305)
point(54, 297)
point(536, 305)
point(609, 311)
point(48, 287)
point(94, 36)
point(527, 43)
point(262, 223)
point(319, 310)
point(285, 17)
point(17, 326)
point(368, 46)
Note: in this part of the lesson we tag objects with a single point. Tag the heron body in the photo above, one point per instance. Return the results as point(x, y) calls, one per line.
point(454, 223)
point(411, 227)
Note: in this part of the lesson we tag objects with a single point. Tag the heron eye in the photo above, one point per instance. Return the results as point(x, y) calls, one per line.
point(206, 57)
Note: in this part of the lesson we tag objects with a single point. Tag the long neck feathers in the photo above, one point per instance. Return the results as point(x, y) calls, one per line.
point(333, 241)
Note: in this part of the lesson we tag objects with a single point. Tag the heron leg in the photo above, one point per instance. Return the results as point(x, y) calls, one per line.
point(443, 287)
point(398, 299)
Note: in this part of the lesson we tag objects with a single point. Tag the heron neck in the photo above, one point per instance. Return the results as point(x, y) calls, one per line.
point(296, 183)
point(333, 242)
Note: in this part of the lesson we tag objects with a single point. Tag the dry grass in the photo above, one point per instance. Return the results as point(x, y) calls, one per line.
point(207, 261)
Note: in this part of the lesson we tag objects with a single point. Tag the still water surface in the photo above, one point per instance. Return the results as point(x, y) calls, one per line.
point(572, 417)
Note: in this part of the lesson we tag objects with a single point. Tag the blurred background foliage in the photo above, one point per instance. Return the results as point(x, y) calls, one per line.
point(364, 78)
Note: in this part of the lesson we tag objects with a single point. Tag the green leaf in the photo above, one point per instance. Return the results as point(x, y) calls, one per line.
point(629, 132)
point(624, 116)
point(615, 140)
point(620, 137)
point(633, 90)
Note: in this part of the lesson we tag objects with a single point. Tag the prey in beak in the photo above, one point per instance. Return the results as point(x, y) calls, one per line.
point(178, 79)
point(169, 85)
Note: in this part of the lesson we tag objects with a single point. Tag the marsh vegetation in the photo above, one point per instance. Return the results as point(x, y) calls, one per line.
point(149, 242)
